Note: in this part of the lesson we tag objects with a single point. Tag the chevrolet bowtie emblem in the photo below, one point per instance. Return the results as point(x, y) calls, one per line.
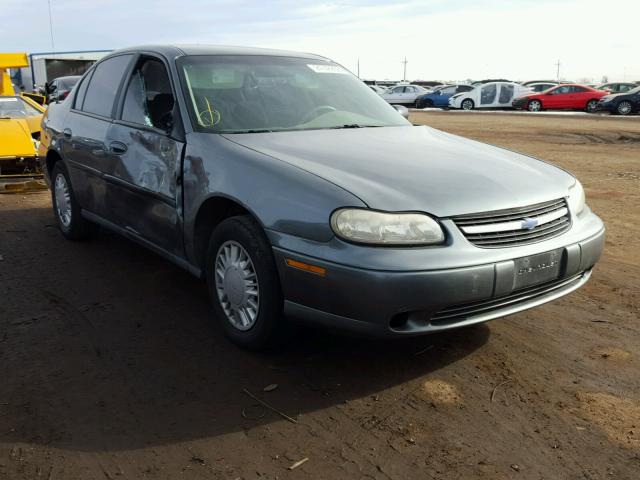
point(529, 223)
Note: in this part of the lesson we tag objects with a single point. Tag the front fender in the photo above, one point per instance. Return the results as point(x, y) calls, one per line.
point(282, 197)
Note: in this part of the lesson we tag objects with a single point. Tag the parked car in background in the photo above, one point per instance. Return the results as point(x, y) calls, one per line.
point(621, 103)
point(379, 90)
point(488, 95)
point(619, 87)
point(541, 86)
point(404, 94)
point(562, 97)
point(58, 89)
point(278, 194)
point(440, 96)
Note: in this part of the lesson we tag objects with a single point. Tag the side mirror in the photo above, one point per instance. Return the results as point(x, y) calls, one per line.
point(402, 110)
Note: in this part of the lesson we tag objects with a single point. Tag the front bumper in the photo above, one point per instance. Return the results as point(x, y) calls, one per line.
point(606, 106)
point(390, 303)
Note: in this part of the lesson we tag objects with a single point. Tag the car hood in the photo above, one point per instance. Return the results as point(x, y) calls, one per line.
point(416, 168)
point(15, 138)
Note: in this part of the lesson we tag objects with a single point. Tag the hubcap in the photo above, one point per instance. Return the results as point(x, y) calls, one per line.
point(534, 106)
point(624, 108)
point(466, 105)
point(237, 285)
point(63, 200)
point(591, 106)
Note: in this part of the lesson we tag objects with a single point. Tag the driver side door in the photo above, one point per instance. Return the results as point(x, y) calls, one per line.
point(147, 143)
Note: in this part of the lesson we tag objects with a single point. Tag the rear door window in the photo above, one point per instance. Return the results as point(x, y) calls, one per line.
point(506, 93)
point(104, 85)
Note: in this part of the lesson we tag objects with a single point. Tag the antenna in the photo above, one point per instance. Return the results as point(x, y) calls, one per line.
point(404, 76)
point(557, 64)
point(358, 68)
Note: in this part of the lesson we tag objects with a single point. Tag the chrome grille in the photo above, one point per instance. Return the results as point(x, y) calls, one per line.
point(515, 226)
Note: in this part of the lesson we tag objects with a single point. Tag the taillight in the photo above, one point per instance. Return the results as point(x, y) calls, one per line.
point(64, 94)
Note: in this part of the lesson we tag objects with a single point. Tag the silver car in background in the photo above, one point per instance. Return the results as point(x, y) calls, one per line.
point(300, 194)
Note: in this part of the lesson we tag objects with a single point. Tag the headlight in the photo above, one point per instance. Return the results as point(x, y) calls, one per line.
point(379, 228)
point(576, 198)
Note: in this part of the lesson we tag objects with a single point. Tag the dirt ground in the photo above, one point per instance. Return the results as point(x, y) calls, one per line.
point(110, 366)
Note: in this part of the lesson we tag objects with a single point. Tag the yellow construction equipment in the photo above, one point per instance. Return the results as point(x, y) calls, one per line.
point(20, 118)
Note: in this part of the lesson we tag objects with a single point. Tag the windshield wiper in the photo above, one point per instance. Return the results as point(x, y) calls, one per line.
point(354, 125)
point(249, 130)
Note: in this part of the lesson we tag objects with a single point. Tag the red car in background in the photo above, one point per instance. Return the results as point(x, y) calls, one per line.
point(568, 96)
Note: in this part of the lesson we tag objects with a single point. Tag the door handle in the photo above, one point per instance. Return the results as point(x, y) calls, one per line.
point(66, 132)
point(117, 147)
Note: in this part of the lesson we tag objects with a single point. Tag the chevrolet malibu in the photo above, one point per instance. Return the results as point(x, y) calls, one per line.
point(297, 193)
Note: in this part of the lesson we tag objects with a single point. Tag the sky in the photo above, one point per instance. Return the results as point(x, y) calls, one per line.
point(441, 39)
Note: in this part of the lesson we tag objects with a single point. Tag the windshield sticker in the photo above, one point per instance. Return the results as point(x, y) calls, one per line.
point(327, 69)
point(12, 100)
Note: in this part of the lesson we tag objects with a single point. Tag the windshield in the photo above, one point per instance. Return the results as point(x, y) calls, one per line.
point(246, 93)
point(633, 90)
point(15, 107)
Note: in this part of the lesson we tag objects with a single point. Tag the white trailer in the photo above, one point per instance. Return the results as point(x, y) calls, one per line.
point(46, 66)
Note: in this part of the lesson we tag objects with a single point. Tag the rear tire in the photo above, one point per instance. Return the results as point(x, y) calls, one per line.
point(467, 104)
point(624, 108)
point(592, 105)
point(534, 106)
point(243, 284)
point(66, 208)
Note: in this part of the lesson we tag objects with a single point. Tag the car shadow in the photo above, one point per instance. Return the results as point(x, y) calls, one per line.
point(114, 348)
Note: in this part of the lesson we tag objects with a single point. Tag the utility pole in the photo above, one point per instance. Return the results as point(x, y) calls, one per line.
point(557, 64)
point(404, 76)
point(53, 46)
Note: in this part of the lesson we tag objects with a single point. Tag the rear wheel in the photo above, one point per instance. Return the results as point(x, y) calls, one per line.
point(243, 283)
point(624, 107)
point(66, 208)
point(592, 105)
point(534, 106)
point(467, 104)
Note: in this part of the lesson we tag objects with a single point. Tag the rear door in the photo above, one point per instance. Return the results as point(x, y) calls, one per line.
point(146, 142)
point(506, 94)
point(88, 121)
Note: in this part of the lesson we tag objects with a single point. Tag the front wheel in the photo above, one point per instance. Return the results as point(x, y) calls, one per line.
point(243, 283)
point(534, 106)
point(66, 208)
point(592, 105)
point(624, 107)
point(467, 104)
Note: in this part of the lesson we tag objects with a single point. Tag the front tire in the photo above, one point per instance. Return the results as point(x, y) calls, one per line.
point(592, 105)
point(243, 284)
point(534, 106)
point(467, 104)
point(624, 108)
point(66, 208)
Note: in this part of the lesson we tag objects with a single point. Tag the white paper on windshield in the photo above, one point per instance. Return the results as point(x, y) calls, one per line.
point(327, 68)
point(8, 99)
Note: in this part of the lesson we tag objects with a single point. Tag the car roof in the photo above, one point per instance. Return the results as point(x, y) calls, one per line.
point(178, 50)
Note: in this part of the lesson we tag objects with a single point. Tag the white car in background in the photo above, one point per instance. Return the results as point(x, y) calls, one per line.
point(489, 95)
point(538, 87)
point(404, 94)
